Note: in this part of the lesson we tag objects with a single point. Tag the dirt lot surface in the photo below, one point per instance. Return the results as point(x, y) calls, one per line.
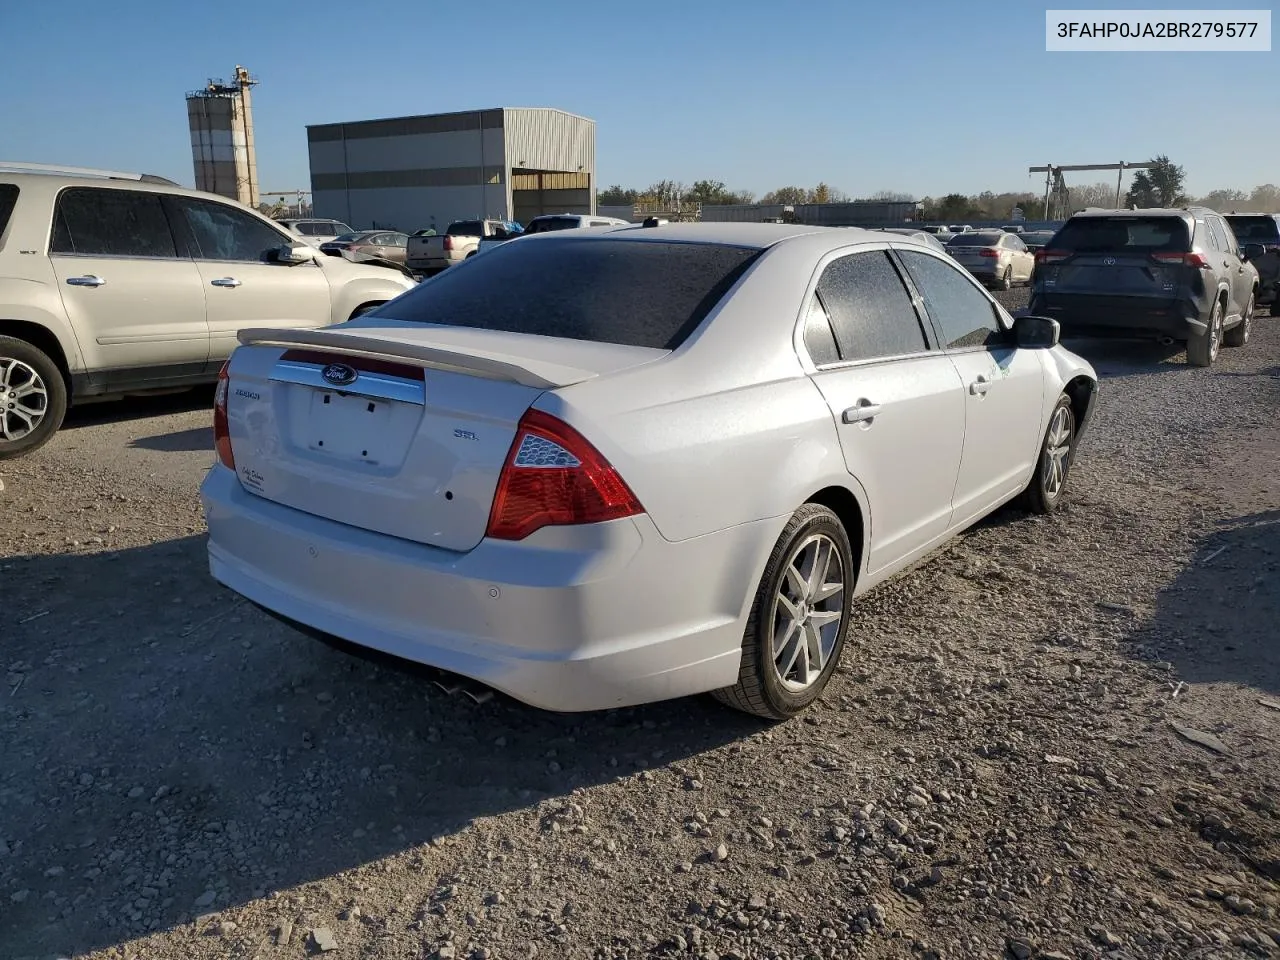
point(1049, 740)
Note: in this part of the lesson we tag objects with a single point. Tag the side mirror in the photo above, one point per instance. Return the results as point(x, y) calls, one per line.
point(295, 253)
point(1036, 333)
point(1251, 251)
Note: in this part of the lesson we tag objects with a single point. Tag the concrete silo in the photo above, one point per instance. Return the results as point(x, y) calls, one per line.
point(221, 121)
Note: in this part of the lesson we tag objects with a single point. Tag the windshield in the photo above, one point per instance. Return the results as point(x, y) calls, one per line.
point(638, 293)
point(1255, 229)
point(466, 228)
point(547, 224)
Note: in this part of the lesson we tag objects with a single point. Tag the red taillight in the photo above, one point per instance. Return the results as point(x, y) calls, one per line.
point(988, 252)
point(1196, 260)
point(221, 429)
point(554, 476)
point(1051, 256)
point(448, 242)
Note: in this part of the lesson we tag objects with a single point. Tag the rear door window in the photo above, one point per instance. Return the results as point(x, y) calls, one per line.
point(102, 222)
point(8, 200)
point(644, 293)
point(963, 314)
point(1122, 234)
point(870, 309)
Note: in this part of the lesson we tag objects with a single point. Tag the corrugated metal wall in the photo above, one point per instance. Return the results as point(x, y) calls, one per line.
point(823, 214)
point(538, 138)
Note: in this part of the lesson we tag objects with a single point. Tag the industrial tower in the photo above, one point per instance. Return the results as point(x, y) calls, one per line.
point(221, 121)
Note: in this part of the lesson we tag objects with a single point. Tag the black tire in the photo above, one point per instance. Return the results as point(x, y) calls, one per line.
point(360, 311)
point(1041, 495)
point(760, 689)
point(1238, 335)
point(18, 361)
point(1202, 350)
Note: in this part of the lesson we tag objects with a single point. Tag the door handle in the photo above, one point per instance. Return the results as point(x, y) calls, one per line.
point(980, 386)
point(861, 412)
point(225, 282)
point(89, 280)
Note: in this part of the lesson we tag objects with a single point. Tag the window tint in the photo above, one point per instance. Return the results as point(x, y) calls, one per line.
point(8, 200)
point(222, 232)
point(975, 239)
point(397, 239)
point(965, 317)
point(1212, 235)
point(1112, 234)
point(1246, 229)
point(870, 309)
point(644, 294)
point(111, 223)
point(818, 338)
point(466, 228)
point(547, 224)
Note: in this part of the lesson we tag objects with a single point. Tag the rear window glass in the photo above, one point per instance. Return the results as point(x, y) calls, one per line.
point(547, 224)
point(974, 239)
point(1247, 229)
point(639, 293)
point(466, 228)
point(8, 200)
point(1089, 234)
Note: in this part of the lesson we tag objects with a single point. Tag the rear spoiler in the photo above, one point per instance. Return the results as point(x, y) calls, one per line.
point(541, 374)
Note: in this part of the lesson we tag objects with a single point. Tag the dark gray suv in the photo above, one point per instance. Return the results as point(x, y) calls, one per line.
point(1173, 275)
point(1259, 236)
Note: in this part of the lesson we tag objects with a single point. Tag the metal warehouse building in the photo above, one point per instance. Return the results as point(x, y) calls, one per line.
point(414, 173)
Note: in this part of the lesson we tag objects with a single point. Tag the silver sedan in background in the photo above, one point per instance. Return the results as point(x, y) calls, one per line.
point(996, 258)
point(609, 466)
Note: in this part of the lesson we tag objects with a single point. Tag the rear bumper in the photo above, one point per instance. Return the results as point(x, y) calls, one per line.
point(1119, 316)
point(571, 619)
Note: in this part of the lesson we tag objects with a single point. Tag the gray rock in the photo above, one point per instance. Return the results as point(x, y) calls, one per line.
point(1020, 949)
point(446, 952)
point(323, 940)
point(224, 928)
point(137, 792)
point(324, 696)
point(895, 827)
point(284, 932)
point(20, 896)
point(721, 852)
point(206, 899)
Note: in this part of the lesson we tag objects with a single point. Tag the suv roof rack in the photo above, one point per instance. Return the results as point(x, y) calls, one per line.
point(13, 166)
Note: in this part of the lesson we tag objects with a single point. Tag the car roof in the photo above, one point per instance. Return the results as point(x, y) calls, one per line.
point(1143, 212)
point(1246, 213)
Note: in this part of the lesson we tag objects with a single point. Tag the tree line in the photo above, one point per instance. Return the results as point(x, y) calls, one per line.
point(1160, 186)
point(671, 194)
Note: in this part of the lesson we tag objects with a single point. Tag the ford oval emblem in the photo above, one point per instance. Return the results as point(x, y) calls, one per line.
point(339, 374)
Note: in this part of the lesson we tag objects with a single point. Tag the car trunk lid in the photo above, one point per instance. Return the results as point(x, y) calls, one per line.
point(1124, 256)
point(396, 427)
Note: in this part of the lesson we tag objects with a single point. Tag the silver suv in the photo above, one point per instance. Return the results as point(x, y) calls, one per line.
point(115, 284)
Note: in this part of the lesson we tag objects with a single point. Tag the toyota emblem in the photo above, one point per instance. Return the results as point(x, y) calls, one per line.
point(1109, 261)
point(339, 374)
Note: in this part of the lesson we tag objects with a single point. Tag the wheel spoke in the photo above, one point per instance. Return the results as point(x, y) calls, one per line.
point(26, 389)
point(796, 580)
point(6, 371)
point(22, 410)
point(822, 551)
point(796, 647)
point(782, 637)
point(820, 618)
point(802, 650)
point(829, 590)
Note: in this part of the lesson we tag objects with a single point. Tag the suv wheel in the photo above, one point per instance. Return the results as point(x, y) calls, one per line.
point(1203, 350)
point(33, 398)
point(1238, 335)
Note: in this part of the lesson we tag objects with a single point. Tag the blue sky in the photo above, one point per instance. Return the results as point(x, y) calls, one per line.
point(921, 96)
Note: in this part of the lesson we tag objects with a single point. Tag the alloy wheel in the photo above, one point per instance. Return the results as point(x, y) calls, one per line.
point(24, 399)
point(808, 612)
point(1057, 448)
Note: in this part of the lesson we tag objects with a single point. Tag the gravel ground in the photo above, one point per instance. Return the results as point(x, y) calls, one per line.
point(1049, 740)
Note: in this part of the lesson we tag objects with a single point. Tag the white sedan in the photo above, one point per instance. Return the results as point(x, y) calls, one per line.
point(604, 467)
